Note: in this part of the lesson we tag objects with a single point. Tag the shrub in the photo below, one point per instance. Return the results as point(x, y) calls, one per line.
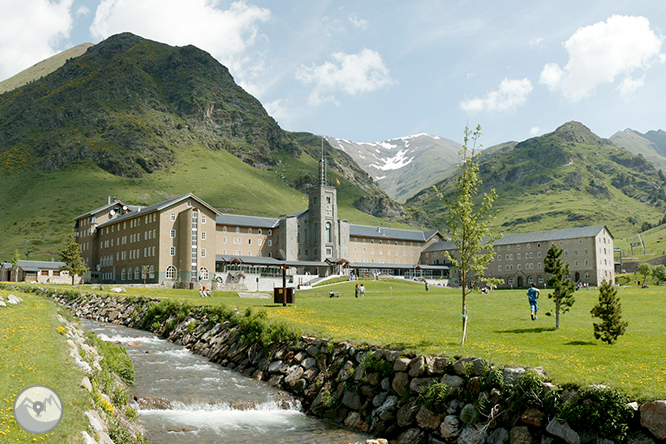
point(609, 310)
point(600, 410)
point(527, 392)
point(436, 398)
point(374, 364)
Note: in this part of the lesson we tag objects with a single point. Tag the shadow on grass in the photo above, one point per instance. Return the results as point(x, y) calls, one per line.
point(527, 330)
point(580, 343)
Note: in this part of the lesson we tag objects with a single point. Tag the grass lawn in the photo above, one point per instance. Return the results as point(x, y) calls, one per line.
point(402, 314)
point(33, 352)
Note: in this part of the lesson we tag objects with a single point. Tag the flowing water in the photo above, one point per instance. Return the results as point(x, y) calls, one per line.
point(211, 404)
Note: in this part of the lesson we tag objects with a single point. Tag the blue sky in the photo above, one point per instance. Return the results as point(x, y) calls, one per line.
point(374, 70)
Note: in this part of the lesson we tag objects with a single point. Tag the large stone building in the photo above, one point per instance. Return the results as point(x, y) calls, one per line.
point(519, 258)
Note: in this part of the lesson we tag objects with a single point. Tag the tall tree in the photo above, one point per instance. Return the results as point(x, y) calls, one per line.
point(609, 311)
point(563, 287)
point(16, 257)
point(468, 223)
point(646, 270)
point(71, 256)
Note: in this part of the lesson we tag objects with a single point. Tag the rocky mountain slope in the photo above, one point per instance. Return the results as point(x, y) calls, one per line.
point(403, 166)
point(567, 178)
point(651, 145)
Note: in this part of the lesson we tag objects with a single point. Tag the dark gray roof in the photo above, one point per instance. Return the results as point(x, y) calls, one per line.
point(390, 233)
point(297, 213)
point(140, 211)
point(535, 236)
point(40, 265)
point(97, 210)
point(306, 264)
point(247, 221)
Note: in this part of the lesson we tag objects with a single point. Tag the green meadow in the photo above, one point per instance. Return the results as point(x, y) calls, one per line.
point(403, 315)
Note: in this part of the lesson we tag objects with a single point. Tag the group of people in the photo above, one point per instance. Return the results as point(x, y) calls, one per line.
point(359, 290)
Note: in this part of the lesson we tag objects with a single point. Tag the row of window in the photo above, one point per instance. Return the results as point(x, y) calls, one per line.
point(388, 252)
point(239, 240)
point(381, 261)
point(388, 242)
point(170, 273)
point(249, 230)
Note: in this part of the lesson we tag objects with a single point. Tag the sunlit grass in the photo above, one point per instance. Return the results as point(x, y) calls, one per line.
point(33, 352)
point(403, 315)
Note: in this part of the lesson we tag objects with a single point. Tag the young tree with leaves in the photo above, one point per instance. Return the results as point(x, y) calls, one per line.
point(563, 287)
point(468, 223)
point(659, 272)
point(646, 270)
point(71, 256)
point(609, 311)
point(16, 257)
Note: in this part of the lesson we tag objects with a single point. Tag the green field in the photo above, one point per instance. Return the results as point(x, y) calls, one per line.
point(33, 352)
point(401, 314)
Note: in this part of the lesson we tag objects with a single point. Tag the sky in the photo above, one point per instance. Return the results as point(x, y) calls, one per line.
point(369, 71)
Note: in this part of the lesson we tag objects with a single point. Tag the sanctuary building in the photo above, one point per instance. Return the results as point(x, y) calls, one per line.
point(186, 240)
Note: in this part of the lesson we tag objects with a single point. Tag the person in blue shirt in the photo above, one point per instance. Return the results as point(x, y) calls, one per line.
point(533, 296)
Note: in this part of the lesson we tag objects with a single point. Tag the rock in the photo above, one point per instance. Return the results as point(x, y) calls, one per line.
point(400, 382)
point(13, 299)
point(520, 435)
point(438, 366)
point(312, 350)
point(562, 430)
point(373, 378)
point(293, 375)
point(411, 436)
point(499, 436)
point(468, 414)
point(533, 416)
point(379, 399)
point(428, 420)
point(376, 441)
point(474, 384)
point(640, 438)
point(153, 403)
point(87, 439)
point(604, 441)
point(386, 412)
point(653, 418)
point(300, 356)
point(118, 290)
point(96, 422)
point(104, 438)
point(85, 383)
point(2, 304)
point(475, 366)
point(452, 381)
point(450, 427)
point(308, 363)
point(407, 414)
point(113, 315)
point(511, 374)
point(472, 435)
point(420, 385)
point(355, 421)
point(274, 367)
point(352, 400)
point(417, 366)
point(401, 364)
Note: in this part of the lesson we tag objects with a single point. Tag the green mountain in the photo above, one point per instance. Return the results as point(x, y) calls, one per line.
point(651, 145)
point(567, 178)
point(143, 121)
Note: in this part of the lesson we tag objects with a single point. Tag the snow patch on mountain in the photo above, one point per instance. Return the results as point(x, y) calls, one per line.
point(393, 163)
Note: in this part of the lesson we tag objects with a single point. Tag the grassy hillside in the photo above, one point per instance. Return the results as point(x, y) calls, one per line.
point(652, 150)
point(567, 178)
point(42, 68)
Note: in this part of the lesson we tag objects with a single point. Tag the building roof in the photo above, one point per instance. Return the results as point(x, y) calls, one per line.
point(102, 208)
point(40, 265)
point(247, 221)
point(535, 236)
point(390, 233)
point(297, 213)
point(140, 211)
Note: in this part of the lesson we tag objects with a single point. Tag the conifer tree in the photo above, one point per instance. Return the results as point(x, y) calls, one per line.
point(16, 257)
point(563, 287)
point(71, 256)
point(468, 227)
point(609, 311)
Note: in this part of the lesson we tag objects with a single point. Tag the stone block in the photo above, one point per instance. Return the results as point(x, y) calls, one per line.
point(420, 385)
point(450, 427)
point(400, 383)
point(562, 430)
point(520, 435)
point(472, 435)
point(511, 374)
point(417, 366)
point(407, 414)
point(499, 436)
point(653, 418)
point(533, 416)
point(452, 381)
point(428, 420)
point(401, 364)
point(411, 436)
point(352, 400)
point(438, 366)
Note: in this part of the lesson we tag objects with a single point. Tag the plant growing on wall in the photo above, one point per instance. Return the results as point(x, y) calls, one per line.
point(609, 310)
point(563, 287)
point(469, 224)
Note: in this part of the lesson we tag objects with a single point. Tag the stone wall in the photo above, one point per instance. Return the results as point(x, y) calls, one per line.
point(378, 391)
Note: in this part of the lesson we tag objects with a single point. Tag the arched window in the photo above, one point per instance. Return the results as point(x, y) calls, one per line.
point(170, 272)
point(151, 272)
point(137, 273)
point(122, 275)
point(249, 230)
point(203, 273)
point(328, 232)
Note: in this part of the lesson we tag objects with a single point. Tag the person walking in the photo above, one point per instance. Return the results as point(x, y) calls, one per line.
point(533, 297)
point(356, 291)
point(362, 290)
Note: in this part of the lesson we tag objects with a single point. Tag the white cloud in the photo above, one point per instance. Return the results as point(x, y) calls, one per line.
point(276, 110)
point(82, 10)
point(538, 42)
point(534, 131)
point(30, 31)
point(510, 95)
point(348, 73)
point(601, 52)
point(357, 22)
point(629, 86)
point(227, 34)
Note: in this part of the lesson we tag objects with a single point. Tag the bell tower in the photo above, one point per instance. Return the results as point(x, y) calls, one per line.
point(323, 224)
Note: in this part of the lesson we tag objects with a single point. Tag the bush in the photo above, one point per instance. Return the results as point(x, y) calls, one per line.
point(527, 392)
point(609, 310)
point(373, 364)
point(436, 398)
point(600, 410)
